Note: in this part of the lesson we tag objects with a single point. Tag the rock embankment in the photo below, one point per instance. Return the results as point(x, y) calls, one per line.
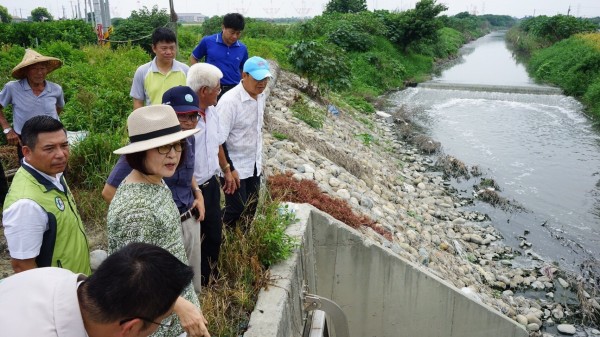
point(392, 183)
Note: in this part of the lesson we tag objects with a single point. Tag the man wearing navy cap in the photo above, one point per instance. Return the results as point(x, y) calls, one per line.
point(186, 193)
point(241, 112)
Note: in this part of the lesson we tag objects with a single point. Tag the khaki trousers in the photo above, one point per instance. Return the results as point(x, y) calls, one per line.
point(191, 241)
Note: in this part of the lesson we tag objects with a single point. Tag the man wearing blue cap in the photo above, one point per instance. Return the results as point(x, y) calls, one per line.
point(241, 112)
point(186, 192)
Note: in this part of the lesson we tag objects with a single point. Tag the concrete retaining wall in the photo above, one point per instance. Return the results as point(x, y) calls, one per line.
point(382, 294)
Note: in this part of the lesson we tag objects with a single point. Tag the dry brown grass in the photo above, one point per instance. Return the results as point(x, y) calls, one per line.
point(286, 188)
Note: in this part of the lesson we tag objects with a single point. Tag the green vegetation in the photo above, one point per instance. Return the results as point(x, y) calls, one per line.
point(243, 263)
point(349, 58)
point(280, 136)
point(4, 16)
point(310, 115)
point(41, 14)
point(562, 50)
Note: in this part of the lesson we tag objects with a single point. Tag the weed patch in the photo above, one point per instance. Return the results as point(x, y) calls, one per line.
point(311, 116)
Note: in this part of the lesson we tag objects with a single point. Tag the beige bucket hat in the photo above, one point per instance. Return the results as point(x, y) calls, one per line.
point(153, 126)
point(33, 57)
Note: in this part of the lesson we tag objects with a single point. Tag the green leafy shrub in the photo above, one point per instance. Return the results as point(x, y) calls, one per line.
point(349, 38)
point(31, 34)
point(322, 63)
point(360, 104)
point(138, 27)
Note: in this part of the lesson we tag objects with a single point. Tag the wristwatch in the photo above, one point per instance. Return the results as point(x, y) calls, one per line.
point(6, 131)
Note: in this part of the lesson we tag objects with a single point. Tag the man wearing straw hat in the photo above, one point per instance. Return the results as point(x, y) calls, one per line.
point(30, 95)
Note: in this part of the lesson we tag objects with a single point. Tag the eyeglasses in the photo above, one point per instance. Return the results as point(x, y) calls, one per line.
point(187, 117)
point(167, 322)
point(165, 149)
point(213, 89)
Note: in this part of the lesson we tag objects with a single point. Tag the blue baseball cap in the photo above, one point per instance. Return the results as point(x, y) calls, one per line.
point(183, 99)
point(257, 67)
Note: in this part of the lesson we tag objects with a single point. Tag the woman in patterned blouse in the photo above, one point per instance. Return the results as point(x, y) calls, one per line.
point(143, 209)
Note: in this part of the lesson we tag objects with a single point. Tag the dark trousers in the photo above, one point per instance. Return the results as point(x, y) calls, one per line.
point(3, 186)
point(211, 229)
point(242, 202)
point(225, 88)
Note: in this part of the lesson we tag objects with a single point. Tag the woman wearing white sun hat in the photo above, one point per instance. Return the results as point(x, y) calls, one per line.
point(143, 210)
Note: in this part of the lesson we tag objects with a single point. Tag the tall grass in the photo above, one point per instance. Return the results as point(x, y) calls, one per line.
point(243, 268)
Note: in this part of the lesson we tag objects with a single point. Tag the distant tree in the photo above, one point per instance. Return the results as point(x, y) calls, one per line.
point(418, 25)
point(140, 24)
point(346, 6)
point(41, 14)
point(4, 16)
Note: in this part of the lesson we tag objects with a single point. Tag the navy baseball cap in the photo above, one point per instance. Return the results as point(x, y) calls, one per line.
point(183, 99)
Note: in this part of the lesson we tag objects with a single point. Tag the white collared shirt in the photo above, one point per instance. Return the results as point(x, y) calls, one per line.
point(206, 162)
point(240, 125)
point(25, 223)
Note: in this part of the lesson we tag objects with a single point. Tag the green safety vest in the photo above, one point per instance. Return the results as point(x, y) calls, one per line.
point(64, 243)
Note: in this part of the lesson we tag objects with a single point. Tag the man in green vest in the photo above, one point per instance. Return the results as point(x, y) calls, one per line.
point(41, 222)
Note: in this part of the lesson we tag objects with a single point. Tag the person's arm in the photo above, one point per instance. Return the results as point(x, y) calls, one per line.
point(137, 103)
point(116, 176)
point(232, 178)
point(191, 318)
point(108, 192)
point(199, 52)
point(22, 265)
point(11, 137)
point(137, 91)
point(24, 225)
point(60, 102)
point(198, 200)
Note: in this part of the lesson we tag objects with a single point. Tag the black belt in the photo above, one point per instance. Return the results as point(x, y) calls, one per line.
point(186, 215)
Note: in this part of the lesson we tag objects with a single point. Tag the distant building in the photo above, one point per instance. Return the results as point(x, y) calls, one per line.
point(16, 19)
point(191, 17)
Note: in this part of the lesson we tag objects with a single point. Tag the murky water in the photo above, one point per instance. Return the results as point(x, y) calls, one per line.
point(542, 150)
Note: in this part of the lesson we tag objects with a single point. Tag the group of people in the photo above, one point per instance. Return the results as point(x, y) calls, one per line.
point(194, 130)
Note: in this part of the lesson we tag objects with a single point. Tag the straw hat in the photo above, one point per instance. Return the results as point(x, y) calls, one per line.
point(33, 57)
point(153, 126)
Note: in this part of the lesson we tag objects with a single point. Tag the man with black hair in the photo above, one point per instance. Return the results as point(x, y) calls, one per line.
point(40, 218)
point(152, 79)
point(225, 51)
point(131, 294)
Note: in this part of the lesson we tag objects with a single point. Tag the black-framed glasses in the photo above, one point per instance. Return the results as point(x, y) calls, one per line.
point(167, 322)
point(165, 149)
point(187, 117)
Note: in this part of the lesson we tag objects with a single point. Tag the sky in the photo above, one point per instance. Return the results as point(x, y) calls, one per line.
point(309, 8)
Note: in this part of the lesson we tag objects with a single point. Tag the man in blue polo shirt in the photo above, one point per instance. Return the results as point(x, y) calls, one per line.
point(225, 51)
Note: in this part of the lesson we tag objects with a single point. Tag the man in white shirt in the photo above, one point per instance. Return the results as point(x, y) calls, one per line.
point(131, 294)
point(204, 80)
point(40, 218)
point(241, 112)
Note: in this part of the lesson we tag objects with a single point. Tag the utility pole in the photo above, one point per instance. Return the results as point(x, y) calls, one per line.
point(242, 9)
point(569, 10)
point(272, 11)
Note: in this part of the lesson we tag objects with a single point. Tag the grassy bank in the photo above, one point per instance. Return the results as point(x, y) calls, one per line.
point(564, 51)
point(574, 65)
